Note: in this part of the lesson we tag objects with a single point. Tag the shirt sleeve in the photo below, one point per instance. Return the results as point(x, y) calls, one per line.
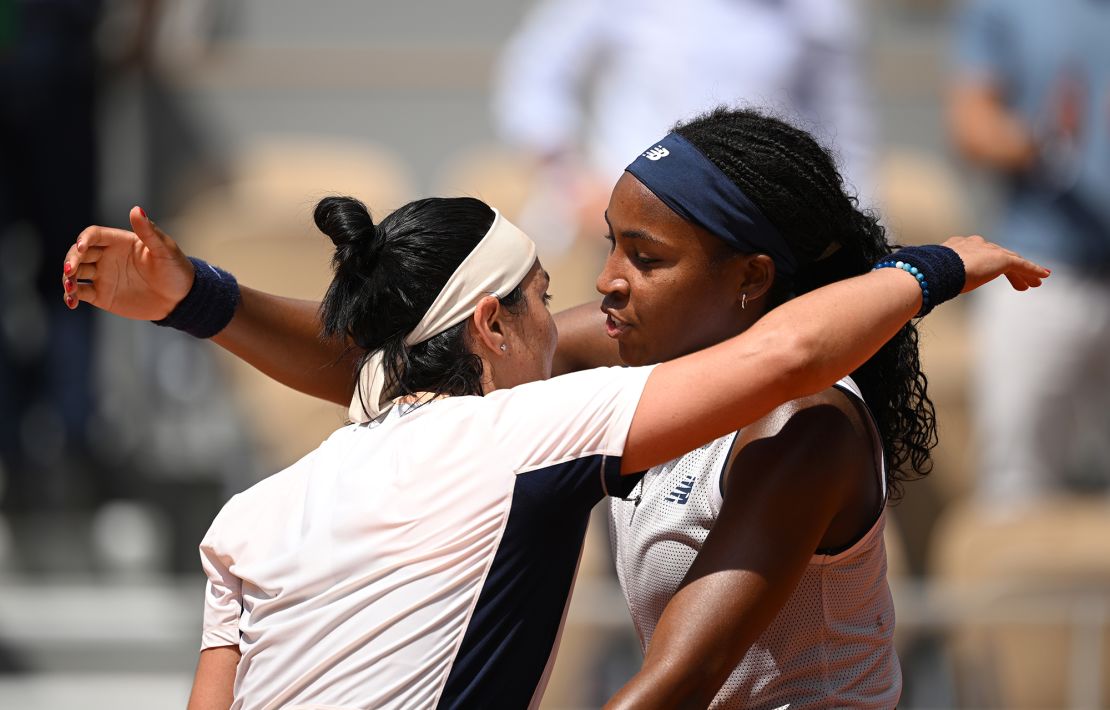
point(223, 594)
point(584, 415)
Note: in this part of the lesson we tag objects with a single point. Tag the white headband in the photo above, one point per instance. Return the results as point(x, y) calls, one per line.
point(495, 267)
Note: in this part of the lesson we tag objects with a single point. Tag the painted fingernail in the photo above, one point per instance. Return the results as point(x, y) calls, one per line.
point(143, 213)
point(67, 268)
point(70, 301)
point(68, 284)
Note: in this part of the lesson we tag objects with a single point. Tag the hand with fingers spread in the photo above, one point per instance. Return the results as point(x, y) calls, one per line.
point(985, 261)
point(141, 274)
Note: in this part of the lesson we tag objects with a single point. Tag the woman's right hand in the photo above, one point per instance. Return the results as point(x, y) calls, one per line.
point(141, 274)
point(985, 261)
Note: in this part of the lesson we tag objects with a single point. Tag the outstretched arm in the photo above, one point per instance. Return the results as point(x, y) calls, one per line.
point(797, 349)
point(144, 274)
point(281, 338)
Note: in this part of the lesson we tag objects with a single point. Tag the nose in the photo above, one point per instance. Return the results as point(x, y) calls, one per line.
point(610, 283)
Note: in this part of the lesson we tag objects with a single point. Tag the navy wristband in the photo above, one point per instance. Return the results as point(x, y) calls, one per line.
point(938, 270)
point(210, 304)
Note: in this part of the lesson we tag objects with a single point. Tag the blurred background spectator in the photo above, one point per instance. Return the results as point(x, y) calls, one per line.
point(584, 85)
point(1030, 104)
point(228, 120)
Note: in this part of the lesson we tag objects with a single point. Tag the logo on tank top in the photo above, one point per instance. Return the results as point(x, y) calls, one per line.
point(682, 491)
point(656, 153)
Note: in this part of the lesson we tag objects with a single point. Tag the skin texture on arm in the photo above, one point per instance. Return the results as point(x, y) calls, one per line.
point(800, 479)
point(796, 350)
point(280, 337)
point(214, 682)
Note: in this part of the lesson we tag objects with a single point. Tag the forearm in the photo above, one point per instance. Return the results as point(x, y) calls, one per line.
point(692, 655)
point(281, 338)
point(830, 332)
point(798, 349)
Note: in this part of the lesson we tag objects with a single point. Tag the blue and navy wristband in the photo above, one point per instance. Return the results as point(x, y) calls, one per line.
point(939, 272)
point(210, 304)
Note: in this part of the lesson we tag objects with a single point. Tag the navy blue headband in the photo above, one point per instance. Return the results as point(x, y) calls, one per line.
point(696, 190)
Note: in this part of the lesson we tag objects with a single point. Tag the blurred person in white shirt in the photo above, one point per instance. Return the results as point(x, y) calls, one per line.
point(583, 84)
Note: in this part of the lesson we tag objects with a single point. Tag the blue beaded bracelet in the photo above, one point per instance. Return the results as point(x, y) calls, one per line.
point(210, 304)
point(939, 272)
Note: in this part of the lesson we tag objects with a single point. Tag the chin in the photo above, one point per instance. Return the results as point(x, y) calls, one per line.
point(637, 355)
point(633, 356)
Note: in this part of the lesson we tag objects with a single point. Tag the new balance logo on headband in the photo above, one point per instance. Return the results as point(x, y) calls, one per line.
point(656, 153)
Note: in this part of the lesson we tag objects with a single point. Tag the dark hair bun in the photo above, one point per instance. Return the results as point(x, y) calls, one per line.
point(388, 275)
point(350, 227)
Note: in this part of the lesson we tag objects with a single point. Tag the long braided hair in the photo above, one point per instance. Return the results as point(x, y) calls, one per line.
point(796, 184)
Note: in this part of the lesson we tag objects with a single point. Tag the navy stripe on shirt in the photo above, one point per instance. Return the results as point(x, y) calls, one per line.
point(511, 633)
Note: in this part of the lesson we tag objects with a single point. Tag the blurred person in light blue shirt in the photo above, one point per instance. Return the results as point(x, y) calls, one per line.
point(1031, 104)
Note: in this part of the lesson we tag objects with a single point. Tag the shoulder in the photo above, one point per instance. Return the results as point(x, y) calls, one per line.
point(823, 440)
point(830, 416)
point(240, 517)
point(563, 400)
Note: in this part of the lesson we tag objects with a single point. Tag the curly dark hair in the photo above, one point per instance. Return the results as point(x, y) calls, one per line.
point(796, 184)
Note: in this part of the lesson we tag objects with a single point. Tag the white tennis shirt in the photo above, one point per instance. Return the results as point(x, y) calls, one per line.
point(832, 643)
point(423, 560)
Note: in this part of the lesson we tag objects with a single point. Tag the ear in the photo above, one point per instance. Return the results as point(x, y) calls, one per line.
point(757, 273)
point(487, 326)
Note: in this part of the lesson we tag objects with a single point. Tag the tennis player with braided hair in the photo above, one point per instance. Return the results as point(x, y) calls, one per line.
point(778, 527)
point(425, 557)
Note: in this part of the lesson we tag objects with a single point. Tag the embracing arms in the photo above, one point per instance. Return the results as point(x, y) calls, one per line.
point(797, 349)
point(281, 338)
point(144, 274)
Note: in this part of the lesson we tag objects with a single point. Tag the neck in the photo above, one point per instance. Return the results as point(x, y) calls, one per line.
point(419, 398)
point(490, 379)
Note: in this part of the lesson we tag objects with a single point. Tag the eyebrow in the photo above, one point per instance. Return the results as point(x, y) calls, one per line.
point(635, 233)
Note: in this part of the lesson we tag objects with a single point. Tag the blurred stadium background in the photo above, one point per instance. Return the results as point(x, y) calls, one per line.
point(238, 116)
